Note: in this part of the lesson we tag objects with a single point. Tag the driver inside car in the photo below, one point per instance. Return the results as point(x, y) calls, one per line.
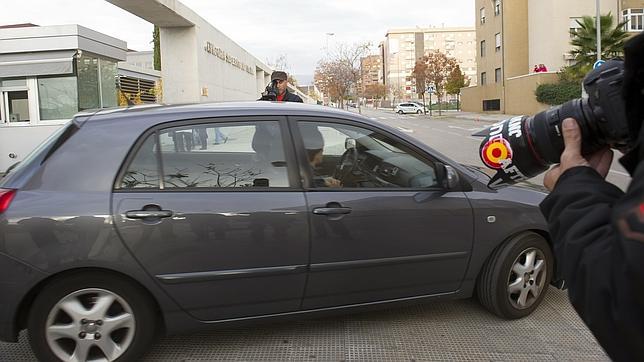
point(314, 145)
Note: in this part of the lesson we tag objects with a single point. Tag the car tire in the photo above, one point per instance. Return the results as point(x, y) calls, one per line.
point(92, 314)
point(503, 290)
point(400, 112)
point(419, 112)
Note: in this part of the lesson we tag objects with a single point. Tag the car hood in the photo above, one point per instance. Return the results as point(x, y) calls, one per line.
point(530, 192)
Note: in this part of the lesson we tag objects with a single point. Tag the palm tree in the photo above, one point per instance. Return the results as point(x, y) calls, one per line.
point(585, 41)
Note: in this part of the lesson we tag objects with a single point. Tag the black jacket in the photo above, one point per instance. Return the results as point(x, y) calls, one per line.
point(598, 233)
point(290, 97)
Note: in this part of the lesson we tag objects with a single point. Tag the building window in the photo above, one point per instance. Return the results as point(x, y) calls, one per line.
point(57, 98)
point(483, 78)
point(96, 82)
point(634, 19)
point(497, 42)
point(482, 15)
point(482, 48)
point(497, 75)
point(574, 27)
point(492, 105)
point(107, 74)
point(497, 7)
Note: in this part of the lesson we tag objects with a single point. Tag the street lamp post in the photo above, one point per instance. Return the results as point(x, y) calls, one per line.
point(599, 31)
point(327, 40)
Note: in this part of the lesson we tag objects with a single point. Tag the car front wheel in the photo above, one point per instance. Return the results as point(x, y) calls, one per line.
point(516, 277)
point(419, 112)
point(91, 316)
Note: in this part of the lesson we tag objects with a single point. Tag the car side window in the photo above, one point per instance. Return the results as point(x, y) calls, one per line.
point(344, 156)
point(214, 155)
point(143, 171)
point(224, 155)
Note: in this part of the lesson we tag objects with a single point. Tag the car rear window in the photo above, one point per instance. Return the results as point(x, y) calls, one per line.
point(20, 172)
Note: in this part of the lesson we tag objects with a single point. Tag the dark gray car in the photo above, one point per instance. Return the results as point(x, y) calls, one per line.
point(127, 223)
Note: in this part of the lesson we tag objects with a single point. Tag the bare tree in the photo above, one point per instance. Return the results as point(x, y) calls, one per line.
point(281, 63)
point(439, 67)
point(338, 75)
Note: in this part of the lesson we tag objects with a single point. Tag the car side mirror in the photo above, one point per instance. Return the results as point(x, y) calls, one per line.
point(349, 144)
point(452, 179)
point(448, 176)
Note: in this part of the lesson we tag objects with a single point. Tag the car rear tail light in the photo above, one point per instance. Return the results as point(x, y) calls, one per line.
point(6, 195)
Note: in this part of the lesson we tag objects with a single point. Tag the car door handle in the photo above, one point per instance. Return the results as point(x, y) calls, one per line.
point(332, 210)
point(148, 214)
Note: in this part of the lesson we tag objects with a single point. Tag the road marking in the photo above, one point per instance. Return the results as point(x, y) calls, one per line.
point(407, 130)
point(466, 129)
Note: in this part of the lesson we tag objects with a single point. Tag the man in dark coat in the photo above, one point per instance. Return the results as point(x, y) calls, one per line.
point(283, 95)
point(598, 230)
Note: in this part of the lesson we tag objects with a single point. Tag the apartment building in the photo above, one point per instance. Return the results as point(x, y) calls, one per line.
point(370, 71)
point(514, 36)
point(402, 47)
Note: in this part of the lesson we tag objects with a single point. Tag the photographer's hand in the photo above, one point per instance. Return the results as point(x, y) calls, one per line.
point(571, 156)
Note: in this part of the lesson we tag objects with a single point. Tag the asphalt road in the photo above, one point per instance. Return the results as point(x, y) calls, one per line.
point(440, 331)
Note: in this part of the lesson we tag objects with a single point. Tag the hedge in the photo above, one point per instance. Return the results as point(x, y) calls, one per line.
point(558, 93)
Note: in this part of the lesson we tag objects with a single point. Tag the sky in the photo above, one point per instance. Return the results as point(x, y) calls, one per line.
point(296, 29)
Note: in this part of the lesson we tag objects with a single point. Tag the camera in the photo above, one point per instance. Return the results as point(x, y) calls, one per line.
point(523, 147)
point(270, 94)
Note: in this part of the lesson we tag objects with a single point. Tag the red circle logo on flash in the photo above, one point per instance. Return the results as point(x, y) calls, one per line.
point(496, 151)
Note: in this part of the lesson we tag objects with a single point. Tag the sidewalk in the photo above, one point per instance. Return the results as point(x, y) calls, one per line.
point(485, 117)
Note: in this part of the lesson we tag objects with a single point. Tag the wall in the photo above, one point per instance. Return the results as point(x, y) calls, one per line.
point(520, 93)
point(21, 140)
point(179, 69)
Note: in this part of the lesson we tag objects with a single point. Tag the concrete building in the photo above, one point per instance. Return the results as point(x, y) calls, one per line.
point(514, 36)
point(370, 72)
point(47, 74)
point(402, 47)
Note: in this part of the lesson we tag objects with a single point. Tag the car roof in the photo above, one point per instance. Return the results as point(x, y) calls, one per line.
point(216, 109)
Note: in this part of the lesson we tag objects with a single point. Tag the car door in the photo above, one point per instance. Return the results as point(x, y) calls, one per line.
point(390, 230)
point(214, 212)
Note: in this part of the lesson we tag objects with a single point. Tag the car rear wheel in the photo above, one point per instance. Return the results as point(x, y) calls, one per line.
point(91, 316)
point(400, 112)
point(516, 277)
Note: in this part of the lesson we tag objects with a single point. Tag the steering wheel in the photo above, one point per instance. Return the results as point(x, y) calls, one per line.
point(346, 165)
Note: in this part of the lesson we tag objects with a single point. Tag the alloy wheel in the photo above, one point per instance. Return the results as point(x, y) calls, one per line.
point(527, 278)
point(90, 325)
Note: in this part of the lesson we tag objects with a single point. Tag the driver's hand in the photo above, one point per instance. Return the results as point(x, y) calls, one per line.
point(332, 182)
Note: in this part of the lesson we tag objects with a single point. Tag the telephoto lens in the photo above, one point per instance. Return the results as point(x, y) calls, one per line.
point(522, 147)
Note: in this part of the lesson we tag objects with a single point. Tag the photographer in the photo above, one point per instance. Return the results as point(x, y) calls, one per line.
point(279, 86)
point(598, 230)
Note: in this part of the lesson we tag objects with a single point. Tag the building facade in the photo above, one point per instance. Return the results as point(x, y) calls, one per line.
point(370, 72)
point(403, 47)
point(47, 74)
point(514, 36)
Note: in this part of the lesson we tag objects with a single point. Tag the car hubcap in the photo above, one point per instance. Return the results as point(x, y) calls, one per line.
point(527, 278)
point(90, 324)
